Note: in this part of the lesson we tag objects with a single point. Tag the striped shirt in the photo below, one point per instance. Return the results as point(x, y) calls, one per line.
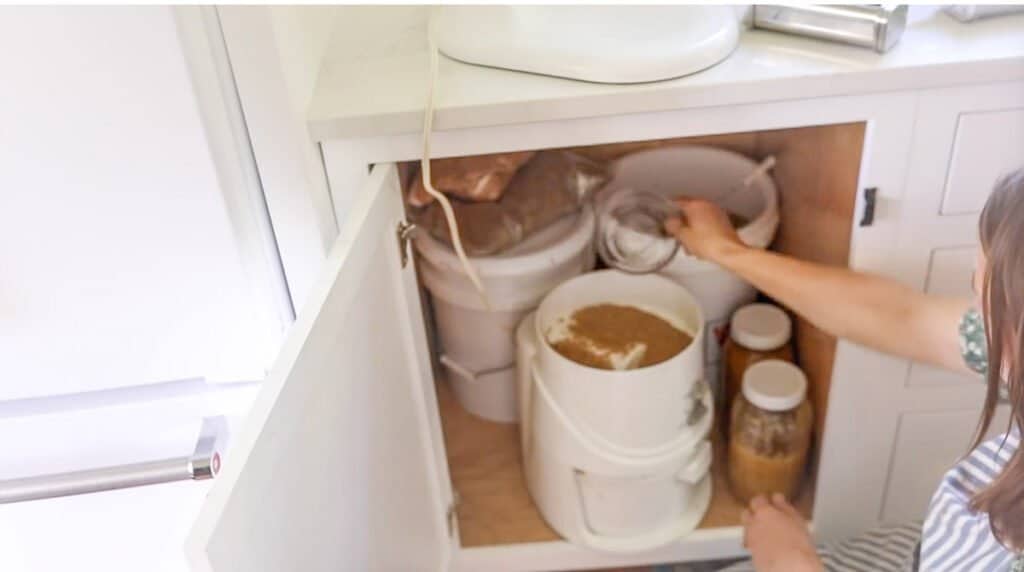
point(953, 536)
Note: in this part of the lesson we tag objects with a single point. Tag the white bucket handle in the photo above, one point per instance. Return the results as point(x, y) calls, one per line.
point(467, 373)
point(526, 352)
point(635, 458)
point(700, 396)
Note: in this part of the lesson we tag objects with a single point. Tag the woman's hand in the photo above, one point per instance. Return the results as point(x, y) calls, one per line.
point(705, 231)
point(777, 537)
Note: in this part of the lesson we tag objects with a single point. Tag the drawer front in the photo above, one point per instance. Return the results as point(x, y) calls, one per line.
point(927, 445)
point(986, 146)
point(949, 274)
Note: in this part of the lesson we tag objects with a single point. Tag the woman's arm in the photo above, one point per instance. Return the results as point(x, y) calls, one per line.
point(870, 310)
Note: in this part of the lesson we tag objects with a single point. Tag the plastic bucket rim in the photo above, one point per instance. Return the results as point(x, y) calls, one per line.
point(613, 375)
point(570, 245)
point(768, 217)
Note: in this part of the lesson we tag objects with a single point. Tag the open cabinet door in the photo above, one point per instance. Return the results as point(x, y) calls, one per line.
point(340, 465)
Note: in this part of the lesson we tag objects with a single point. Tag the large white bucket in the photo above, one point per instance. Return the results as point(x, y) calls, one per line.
point(709, 173)
point(477, 344)
point(706, 172)
point(615, 460)
point(634, 409)
point(614, 501)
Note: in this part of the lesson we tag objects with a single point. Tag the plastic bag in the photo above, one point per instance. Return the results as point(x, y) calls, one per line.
point(478, 178)
point(551, 185)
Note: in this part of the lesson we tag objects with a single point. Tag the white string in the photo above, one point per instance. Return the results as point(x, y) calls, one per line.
point(446, 206)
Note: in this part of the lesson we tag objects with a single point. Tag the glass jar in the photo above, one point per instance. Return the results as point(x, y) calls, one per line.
point(757, 332)
point(631, 231)
point(770, 433)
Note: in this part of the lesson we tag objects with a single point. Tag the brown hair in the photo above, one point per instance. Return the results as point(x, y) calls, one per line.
point(1002, 239)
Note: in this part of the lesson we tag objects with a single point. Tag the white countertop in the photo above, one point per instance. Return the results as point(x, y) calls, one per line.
point(373, 78)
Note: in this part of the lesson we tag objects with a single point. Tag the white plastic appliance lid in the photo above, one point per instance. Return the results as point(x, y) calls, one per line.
point(604, 44)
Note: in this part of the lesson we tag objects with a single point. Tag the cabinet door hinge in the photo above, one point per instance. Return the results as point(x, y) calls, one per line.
point(454, 504)
point(404, 233)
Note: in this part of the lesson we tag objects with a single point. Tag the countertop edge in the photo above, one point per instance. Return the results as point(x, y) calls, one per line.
point(674, 97)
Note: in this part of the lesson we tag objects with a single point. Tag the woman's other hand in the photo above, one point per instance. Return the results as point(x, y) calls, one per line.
point(705, 230)
point(777, 537)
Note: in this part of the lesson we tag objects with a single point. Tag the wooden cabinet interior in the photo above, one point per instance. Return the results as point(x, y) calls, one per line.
point(816, 172)
point(494, 505)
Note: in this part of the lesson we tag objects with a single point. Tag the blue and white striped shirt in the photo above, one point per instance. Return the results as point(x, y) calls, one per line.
point(954, 537)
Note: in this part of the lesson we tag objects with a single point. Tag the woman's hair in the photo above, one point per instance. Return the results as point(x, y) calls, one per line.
point(1002, 239)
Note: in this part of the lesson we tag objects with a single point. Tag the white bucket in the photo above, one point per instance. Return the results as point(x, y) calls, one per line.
point(614, 499)
point(630, 409)
point(478, 345)
point(706, 172)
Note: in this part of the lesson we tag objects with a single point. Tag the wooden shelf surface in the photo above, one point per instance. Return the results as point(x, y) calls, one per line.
point(495, 506)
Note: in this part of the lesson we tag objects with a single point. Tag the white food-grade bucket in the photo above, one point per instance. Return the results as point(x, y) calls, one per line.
point(710, 173)
point(636, 408)
point(616, 460)
point(706, 172)
point(477, 344)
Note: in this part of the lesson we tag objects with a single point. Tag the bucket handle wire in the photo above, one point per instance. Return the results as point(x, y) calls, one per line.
point(468, 373)
point(613, 453)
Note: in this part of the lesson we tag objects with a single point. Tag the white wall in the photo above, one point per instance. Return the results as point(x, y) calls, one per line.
point(119, 261)
point(275, 55)
point(303, 34)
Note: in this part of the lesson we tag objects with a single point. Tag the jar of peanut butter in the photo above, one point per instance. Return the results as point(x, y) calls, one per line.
point(756, 332)
point(770, 433)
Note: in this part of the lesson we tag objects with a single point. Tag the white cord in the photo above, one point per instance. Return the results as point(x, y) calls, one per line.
point(446, 206)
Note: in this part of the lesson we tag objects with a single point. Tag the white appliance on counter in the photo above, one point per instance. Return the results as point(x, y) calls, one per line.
point(606, 44)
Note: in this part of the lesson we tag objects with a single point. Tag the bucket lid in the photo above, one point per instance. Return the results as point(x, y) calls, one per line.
point(701, 172)
point(760, 327)
point(774, 385)
point(553, 245)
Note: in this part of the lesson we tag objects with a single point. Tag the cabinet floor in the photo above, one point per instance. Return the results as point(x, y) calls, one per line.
point(494, 504)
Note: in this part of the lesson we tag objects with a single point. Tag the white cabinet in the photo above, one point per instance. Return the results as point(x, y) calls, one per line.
point(964, 139)
point(927, 444)
point(987, 144)
point(340, 465)
point(345, 442)
point(344, 464)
